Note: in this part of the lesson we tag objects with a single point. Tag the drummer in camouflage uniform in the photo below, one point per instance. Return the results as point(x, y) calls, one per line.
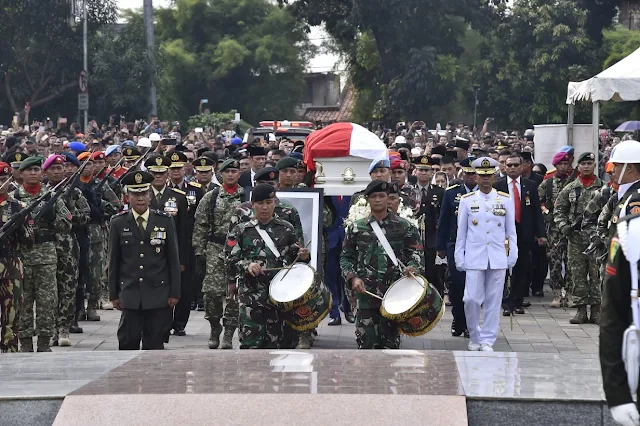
point(212, 223)
point(248, 254)
point(367, 267)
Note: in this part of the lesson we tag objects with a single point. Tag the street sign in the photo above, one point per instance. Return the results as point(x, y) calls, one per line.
point(83, 81)
point(83, 101)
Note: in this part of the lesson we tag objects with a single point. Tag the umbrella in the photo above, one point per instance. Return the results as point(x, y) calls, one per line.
point(628, 126)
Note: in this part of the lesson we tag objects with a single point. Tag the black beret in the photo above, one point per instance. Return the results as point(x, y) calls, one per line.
point(256, 151)
point(377, 186)
point(287, 162)
point(267, 174)
point(586, 156)
point(394, 188)
point(262, 191)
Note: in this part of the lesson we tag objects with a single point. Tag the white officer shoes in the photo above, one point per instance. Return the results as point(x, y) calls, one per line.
point(485, 347)
point(474, 346)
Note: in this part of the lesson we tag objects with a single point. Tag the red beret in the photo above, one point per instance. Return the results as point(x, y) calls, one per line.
point(5, 170)
point(98, 155)
point(398, 164)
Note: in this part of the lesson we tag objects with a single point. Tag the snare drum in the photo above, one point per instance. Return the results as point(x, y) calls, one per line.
point(415, 307)
point(300, 297)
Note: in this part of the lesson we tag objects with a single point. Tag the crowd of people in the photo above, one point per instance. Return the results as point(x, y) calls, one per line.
point(85, 228)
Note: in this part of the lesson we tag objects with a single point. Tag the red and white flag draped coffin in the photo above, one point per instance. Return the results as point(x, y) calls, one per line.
point(340, 155)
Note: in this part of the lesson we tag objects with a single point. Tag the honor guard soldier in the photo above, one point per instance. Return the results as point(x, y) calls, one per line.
point(174, 203)
point(14, 160)
point(131, 155)
point(40, 261)
point(213, 222)
point(367, 266)
point(265, 242)
point(486, 246)
point(144, 268)
point(446, 241)
point(379, 169)
point(113, 153)
point(11, 270)
point(204, 173)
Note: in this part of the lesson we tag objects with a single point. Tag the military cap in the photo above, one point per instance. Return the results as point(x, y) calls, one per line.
point(230, 163)
point(5, 170)
point(255, 151)
point(377, 186)
point(586, 156)
point(397, 164)
point(212, 156)
point(501, 145)
point(157, 164)
point(439, 150)
point(84, 155)
point(394, 188)
point(180, 148)
point(53, 159)
point(112, 149)
point(97, 155)
point(423, 162)
point(485, 165)
point(16, 158)
point(263, 191)
point(267, 174)
point(568, 149)
point(177, 159)
point(379, 164)
point(462, 143)
point(203, 164)
point(137, 181)
point(452, 153)
point(71, 158)
point(32, 161)
point(131, 153)
point(287, 163)
point(466, 165)
point(200, 151)
point(77, 146)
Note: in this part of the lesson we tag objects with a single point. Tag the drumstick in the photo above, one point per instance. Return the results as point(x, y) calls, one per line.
point(373, 295)
point(294, 261)
point(403, 266)
point(276, 269)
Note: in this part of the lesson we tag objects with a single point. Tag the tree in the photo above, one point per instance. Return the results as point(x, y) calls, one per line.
point(248, 55)
point(39, 50)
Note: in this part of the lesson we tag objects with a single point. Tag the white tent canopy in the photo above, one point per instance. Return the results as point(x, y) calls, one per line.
point(620, 82)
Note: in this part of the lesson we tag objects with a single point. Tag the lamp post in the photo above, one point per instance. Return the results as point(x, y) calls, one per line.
point(148, 24)
point(476, 89)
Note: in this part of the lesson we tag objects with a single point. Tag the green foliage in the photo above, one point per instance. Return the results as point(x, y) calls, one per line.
point(218, 120)
point(619, 43)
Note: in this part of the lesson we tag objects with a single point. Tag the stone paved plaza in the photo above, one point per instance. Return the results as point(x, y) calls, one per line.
point(542, 329)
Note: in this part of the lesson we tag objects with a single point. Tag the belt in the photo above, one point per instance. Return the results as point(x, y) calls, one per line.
point(217, 240)
point(45, 238)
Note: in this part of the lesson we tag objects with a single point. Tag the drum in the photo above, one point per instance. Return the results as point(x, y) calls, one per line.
point(415, 307)
point(300, 297)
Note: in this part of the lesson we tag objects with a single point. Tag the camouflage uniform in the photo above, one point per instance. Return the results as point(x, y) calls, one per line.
point(569, 208)
point(67, 251)
point(288, 213)
point(548, 192)
point(260, 325)
point(591, 226)
point(40, 265)
point(364, 257)
point(105, 205)
point(11, 276)
point(209, 236)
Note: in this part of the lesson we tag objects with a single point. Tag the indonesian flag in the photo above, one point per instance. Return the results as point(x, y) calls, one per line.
point(342, 140)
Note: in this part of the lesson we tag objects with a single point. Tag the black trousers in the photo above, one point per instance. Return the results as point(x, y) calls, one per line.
point(148, 325)
point(432, 274)
point(456, 290)
point(519, 282)
point(183, 308)
point(540, 267)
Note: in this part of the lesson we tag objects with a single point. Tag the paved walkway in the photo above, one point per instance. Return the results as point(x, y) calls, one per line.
point(541, 329)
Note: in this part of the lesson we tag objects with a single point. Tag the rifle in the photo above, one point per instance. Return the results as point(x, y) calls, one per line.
point(131, 169)
point(73, 182)
point(106, 178)
point(18, 218)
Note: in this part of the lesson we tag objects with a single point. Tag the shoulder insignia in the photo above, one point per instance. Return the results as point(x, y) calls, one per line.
point(179, 191)
point(468, 194)
point(613, 249)
point(504, 194)
point(453, 186)
point(196, 184)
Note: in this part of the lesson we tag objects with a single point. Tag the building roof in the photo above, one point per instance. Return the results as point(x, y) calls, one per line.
point(340, 112)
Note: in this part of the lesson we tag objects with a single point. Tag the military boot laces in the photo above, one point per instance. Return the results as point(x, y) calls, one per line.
point(214, 340)
point(303, 341)
point(581, 315)
point(63, 337)
point(595, 314)
point(26, 344)
point(227, 340)
point(44, 344)
point(92, 315)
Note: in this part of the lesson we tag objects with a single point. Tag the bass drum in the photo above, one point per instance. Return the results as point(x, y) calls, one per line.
point(414, 304)
point(301, 298)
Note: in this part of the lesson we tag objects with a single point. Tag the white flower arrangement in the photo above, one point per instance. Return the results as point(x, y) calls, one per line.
point(360, 209)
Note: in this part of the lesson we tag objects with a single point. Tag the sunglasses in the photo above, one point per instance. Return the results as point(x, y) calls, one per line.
point(513, 165)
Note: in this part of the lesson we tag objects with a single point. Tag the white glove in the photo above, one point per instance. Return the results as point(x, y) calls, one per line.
point(460, 268)
point(626, 414)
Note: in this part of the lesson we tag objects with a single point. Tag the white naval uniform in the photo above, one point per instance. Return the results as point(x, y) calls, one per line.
point(485, 221)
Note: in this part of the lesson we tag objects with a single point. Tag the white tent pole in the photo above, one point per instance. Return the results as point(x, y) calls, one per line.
point(570, 116)
point(595, 117)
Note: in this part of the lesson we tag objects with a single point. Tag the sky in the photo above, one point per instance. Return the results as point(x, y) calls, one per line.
point(321, 63)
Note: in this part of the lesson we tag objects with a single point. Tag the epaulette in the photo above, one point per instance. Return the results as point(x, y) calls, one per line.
point(504, 194)
point(550, 172)
point(468, 194)
point(122, 213)
point(453, 186)
point(196, 184)
point(179, 191)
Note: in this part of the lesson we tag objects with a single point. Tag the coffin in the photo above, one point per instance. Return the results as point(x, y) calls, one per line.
point(342, 175)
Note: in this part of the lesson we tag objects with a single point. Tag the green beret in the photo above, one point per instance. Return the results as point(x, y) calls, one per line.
point(586, 156)
point(34, 160)
point(287, 162)
point(231, 163)
point(267, 174)
point(262, 191)
point(377, 186)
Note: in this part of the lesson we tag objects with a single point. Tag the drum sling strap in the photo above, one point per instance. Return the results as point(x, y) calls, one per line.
point(268, 241)
point(383, 240)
